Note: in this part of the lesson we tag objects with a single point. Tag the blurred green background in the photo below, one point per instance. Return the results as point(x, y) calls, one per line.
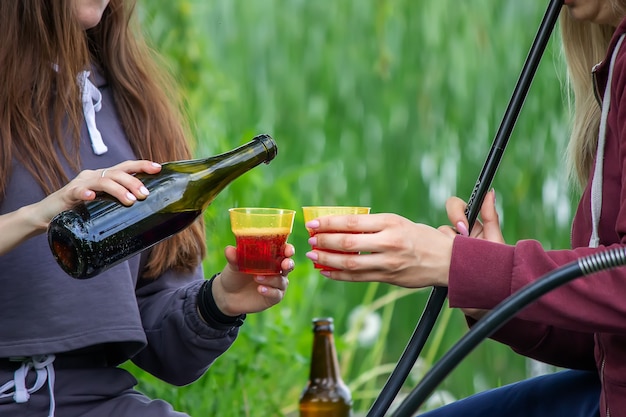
point(387, 103)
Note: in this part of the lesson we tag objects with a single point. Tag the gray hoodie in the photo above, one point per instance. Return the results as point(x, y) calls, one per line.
point(45, 311)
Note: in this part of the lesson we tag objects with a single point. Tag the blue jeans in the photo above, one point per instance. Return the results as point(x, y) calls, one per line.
point(562, 394)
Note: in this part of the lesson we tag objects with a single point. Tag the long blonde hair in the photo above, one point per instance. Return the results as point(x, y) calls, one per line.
point(584, 44)
point(37, 104)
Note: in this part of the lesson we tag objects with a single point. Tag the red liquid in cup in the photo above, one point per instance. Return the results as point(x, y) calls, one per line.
point(260, 251)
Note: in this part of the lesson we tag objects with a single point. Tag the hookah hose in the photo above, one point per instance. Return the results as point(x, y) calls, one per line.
point(501, 314)
point(438, 294)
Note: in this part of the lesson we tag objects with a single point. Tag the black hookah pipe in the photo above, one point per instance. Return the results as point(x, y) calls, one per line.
point(438, 294)
point(501, 314)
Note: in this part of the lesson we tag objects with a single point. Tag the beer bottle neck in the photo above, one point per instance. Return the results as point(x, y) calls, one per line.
point(324, 363)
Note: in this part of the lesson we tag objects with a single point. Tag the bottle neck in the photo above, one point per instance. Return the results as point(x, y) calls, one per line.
point(203, 179)
point(324, 363)
point(231, 164)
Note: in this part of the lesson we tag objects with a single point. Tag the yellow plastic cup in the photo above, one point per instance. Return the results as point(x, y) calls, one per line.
point(261, 234)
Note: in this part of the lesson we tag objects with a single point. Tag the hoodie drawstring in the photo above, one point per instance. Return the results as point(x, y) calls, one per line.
point(596, 182)
point(92, 102)
point(43, 366)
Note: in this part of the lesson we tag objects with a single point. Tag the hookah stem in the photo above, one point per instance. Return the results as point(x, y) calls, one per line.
point(438, 294)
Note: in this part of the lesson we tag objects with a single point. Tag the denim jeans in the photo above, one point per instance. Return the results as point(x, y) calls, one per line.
point(562, 394)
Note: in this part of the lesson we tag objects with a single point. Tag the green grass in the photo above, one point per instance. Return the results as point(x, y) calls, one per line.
point(387, 103)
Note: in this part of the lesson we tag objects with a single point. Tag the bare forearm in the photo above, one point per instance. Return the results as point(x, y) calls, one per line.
point(19, 225)
point(31, 220)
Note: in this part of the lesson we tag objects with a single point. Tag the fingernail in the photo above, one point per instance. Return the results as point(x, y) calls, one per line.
point(154, 164)
point(462, 229)
point(493, 190)
point(292, 264)
point(325, 273)
point(143, 190)
point(131, 196)
point(312, 241)
point(313, 224)
point(312, 255)
point(263, 290)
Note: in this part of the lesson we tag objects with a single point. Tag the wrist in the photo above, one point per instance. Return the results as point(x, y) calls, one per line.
point(210, 312)
point(222, 298)
point(31, 219)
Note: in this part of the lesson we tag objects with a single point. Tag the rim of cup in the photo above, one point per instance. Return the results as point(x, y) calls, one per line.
point(261, 210)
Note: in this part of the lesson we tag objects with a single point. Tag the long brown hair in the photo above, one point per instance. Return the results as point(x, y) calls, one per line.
point(37, 104)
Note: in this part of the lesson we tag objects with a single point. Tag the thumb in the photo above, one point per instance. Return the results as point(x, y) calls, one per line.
point(230, 252)
point(490, 219)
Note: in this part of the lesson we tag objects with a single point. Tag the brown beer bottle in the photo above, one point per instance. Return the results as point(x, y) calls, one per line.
point(325, 395)
point(93, 236)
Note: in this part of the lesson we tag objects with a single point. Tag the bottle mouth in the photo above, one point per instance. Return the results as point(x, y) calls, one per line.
point(269, 144)
point(323, 323)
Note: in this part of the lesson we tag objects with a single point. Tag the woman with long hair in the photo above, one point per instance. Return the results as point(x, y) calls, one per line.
point(82, 98)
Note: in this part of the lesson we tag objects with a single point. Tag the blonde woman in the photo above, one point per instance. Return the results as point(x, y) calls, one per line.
point(581, 325)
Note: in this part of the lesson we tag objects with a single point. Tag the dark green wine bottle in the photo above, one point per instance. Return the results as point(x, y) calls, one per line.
point(93, 236)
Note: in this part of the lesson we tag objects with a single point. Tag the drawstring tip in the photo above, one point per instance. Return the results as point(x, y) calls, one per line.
point(21, 396)
point(99, 149)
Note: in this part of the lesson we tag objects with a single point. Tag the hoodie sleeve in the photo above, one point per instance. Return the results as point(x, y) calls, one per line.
point(557, 328)
point(558, 347)
point(181, 346)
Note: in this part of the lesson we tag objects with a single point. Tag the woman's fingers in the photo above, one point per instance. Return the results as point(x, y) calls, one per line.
point(119, 181)
point(490, 218)
point(352, 223)
point(455, 208)
point(489, 226)
point(360, 232)
point(287, 265)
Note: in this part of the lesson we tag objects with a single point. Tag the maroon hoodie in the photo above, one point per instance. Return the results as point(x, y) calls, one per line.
point(580, 325)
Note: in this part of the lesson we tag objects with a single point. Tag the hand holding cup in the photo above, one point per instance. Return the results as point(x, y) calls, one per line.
point(313, 212)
